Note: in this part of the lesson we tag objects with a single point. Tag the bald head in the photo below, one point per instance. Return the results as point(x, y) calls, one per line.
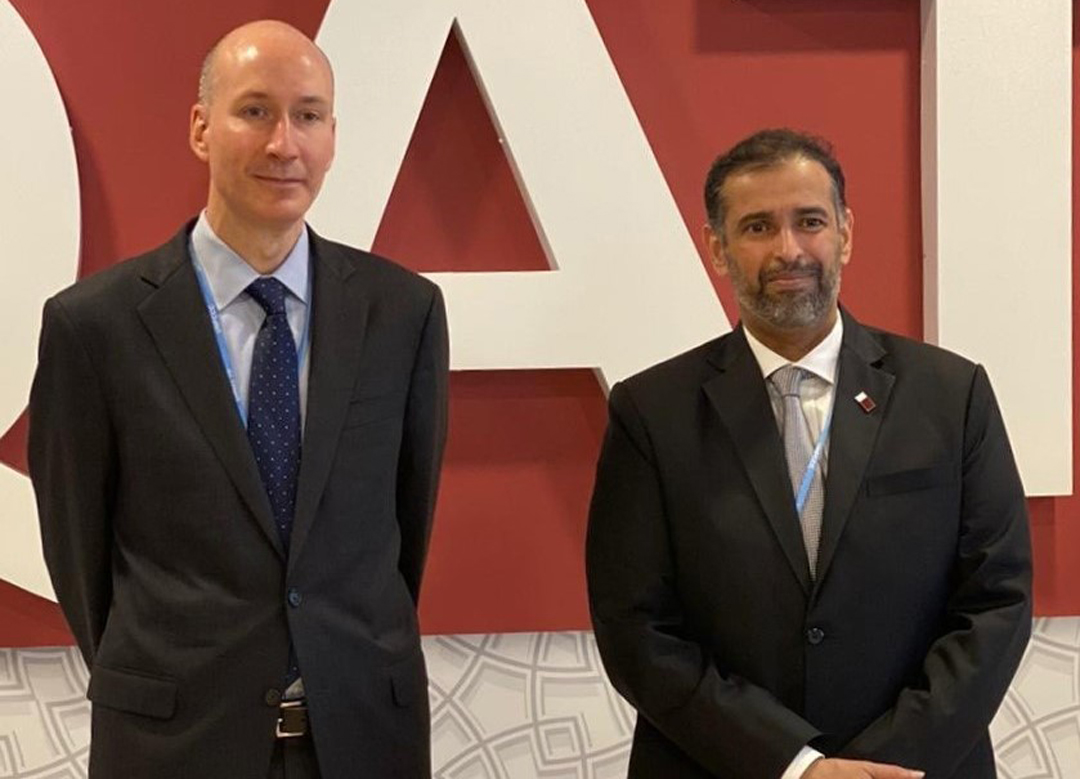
point(265, 127)
point(245, 42)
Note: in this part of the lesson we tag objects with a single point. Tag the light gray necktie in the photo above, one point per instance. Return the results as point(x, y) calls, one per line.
point(798, 448)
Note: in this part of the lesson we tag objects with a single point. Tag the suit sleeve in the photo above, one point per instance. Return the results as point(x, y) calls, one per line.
point(423, 441)
point(938, 720)
point(71, 458)
point(729, 726)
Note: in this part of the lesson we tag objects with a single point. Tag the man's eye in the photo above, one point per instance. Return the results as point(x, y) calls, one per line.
point(253, 112)
point(813, 222)
point(756, 228)
point(308, 117)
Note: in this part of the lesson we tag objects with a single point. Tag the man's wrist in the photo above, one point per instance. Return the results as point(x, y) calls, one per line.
point(802, 761)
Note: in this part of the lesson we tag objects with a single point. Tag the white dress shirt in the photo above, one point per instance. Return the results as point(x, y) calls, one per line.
point(816, 393)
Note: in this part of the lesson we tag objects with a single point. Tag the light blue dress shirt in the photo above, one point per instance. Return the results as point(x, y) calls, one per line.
point(228, 277)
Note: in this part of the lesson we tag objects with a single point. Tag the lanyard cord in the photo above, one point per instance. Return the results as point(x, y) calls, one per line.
point(223, 349)
point(812, 466)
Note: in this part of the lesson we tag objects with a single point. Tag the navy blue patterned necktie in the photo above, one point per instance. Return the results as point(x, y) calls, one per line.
point(274, 404)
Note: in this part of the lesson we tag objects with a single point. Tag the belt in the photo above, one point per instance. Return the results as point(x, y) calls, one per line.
point(292, 719)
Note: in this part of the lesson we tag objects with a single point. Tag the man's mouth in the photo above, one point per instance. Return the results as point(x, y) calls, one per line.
point(792, 279)
point(278, 180)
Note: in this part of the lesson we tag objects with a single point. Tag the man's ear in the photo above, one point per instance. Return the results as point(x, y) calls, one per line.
point(333, 135)
point(847, 233)
point(197, 132)
point(714, 245)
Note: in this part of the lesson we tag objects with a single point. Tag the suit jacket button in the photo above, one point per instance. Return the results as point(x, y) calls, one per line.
point(294, 597)
point(272, 697)
point(815, 636)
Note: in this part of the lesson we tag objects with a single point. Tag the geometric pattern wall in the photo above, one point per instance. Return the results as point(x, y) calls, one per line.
point(533, 706)
point(1037, 730)
point(44, 714)
point(515, 705)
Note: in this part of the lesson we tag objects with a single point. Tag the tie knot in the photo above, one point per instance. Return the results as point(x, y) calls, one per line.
point(787, 379)
point(269, 293)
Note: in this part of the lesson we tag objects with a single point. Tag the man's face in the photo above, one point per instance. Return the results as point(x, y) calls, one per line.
point(783, 243)
point(268, 131)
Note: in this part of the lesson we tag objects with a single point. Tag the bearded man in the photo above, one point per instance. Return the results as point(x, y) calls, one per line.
point(808, 548)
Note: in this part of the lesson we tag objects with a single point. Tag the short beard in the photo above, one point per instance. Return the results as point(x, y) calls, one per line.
point(788, 310)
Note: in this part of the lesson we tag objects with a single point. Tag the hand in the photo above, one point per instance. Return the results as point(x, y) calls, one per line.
point(835, 768)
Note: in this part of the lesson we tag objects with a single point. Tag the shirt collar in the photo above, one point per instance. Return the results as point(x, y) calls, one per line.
point(820, 361)
point(228, 275)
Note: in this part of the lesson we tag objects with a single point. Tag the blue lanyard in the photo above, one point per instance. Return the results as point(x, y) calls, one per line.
point(812, 466)
point(223, 349)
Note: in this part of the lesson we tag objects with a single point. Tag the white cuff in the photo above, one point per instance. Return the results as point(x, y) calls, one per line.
point(797, 767)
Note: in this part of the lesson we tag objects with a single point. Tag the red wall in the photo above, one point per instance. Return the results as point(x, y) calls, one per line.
point(507, 551)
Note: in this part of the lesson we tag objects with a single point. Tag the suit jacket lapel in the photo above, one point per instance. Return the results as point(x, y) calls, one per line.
point(739, 396)
point(854, 431)
point(176, 318)
point(338, 324)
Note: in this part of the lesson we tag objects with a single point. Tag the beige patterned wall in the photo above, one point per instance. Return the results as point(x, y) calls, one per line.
point(524, 705)
point(533, 706)
point(1037, 730)
point(44, 716)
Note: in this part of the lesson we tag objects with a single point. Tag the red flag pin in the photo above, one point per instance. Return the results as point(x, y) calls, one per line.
point(865, 402)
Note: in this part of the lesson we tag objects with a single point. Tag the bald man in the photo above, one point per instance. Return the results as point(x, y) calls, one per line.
point(235, 446)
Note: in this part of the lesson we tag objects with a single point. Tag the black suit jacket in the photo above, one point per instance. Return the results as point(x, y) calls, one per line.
point(160, 539)
point(705, 612)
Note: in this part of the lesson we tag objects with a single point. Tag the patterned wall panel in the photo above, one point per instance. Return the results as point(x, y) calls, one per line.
point(533, 706)
point(1037, 730)
point(44, 714)
point(524, 705)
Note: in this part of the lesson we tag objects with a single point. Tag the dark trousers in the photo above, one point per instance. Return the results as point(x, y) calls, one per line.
point(294, 758)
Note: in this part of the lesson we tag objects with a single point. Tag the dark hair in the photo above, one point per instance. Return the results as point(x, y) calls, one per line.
point(764, 149)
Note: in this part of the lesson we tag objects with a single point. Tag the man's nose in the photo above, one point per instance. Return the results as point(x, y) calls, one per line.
point(283, 139)
point(787, 244)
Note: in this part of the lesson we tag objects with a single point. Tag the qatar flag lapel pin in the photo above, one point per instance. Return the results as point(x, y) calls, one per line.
point(866, 403)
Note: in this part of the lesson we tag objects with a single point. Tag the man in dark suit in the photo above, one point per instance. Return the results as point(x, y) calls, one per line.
point(235, 445)
point(808, 551)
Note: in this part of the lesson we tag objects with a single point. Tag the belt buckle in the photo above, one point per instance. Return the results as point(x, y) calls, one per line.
point(292, 720)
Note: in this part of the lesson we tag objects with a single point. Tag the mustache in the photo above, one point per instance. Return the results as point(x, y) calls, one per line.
point(788, 270)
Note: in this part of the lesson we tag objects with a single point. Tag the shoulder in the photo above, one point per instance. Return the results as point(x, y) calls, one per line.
point(691, 363)
point(681, 375)
point(372, 270)
point(927, 381)
point(122, 286)
point(907, 357)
